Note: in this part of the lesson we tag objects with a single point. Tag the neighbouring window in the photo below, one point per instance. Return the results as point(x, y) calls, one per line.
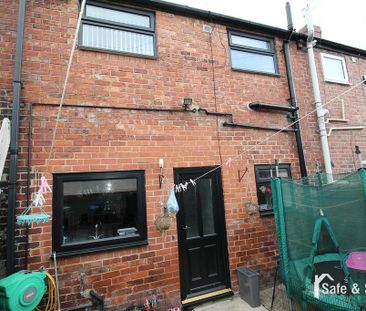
point(334, 68)
point(263, 174)
point(98, 211)
point(118, 29)
point(252, 53)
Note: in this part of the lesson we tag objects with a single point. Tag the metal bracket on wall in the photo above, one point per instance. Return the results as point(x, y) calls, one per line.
point(241, 175)
point(161, 178)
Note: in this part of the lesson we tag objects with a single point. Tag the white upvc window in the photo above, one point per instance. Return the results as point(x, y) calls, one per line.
point(334, 68)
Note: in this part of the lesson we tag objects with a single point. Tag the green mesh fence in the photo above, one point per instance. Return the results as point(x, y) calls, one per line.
point(320, 219)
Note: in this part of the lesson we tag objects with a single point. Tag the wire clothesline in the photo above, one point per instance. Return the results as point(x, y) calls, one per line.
point(182, 186)
point(62, 99)
point(260, 142)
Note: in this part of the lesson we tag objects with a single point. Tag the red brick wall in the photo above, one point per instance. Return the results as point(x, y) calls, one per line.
point(103, 139)
point(8, 13)
point(341, 143)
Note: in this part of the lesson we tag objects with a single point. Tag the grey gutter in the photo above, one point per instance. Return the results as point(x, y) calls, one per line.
point(17, 84)
point(240, 23)
point(207, 15)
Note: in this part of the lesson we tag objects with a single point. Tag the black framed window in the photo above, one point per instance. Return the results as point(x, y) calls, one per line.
point(263, 176)
point(252, 53)
point(98, 211)
point(118, 29)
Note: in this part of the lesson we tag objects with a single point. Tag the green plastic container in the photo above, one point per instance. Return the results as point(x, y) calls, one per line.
point(22, 291)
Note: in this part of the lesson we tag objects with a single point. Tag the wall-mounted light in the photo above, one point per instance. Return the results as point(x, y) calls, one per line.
point(187, 101)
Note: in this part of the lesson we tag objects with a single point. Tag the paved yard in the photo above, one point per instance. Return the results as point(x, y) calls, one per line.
point(234, 303)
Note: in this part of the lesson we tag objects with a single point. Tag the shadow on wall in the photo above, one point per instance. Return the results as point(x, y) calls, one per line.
point(3, 209)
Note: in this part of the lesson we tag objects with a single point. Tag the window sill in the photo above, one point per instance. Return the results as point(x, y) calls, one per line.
point(345, 83)
point(276, 75)
point(87, 48)
point(266, 213)
point(80, 251)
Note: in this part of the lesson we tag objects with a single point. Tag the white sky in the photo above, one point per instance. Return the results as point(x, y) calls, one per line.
point(342, 21)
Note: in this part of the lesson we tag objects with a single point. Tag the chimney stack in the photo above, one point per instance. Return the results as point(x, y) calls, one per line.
point(317, 31)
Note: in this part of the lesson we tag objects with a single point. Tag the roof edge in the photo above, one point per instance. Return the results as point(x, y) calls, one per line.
point(237, 22)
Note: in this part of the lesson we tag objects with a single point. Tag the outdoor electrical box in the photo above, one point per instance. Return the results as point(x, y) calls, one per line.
point(22, 291)
point(249, 286)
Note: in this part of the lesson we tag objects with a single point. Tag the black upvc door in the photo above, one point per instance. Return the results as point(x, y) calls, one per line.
point(201, 233)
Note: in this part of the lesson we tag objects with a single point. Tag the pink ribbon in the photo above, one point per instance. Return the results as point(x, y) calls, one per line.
point(228, 162)
point(44, 186)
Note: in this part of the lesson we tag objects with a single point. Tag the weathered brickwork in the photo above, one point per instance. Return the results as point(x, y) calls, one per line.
point(102, 139)
point(8, 13)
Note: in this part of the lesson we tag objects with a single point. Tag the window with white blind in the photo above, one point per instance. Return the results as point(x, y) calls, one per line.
point(118, 29)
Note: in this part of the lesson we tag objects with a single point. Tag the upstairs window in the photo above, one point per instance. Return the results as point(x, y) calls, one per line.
point(334, 68)
point(98, 211)
point(252, 53)
point(118, 29)
point(263, 175)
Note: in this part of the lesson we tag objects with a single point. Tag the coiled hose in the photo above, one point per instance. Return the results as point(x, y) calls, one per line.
point(52, 294)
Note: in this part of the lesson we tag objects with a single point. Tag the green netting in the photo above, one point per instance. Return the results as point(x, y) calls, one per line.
point(318, 219)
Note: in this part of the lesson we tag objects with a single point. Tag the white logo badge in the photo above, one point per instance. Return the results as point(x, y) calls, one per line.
point(318, 280)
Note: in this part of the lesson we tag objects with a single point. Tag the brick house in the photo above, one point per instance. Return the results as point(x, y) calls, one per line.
point(124, 112)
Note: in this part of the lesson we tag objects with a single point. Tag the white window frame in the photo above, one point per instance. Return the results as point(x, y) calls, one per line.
point(344, 67)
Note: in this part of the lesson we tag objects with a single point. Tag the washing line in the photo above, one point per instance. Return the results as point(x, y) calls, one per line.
point(229, 160)
point(260, 142)
point(67, 77)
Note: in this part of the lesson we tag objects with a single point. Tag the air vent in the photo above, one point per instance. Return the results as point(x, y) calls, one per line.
point(207, 28)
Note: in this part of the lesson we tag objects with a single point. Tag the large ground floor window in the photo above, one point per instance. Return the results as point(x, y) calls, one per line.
point(98, 211)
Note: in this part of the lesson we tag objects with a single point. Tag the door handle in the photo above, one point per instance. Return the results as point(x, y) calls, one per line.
point(186, 227)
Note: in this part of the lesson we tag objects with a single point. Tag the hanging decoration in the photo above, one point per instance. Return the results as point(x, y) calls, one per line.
point(184, 186)
point(172, 204)
point(163, 220)
point(228, 162)
point(28, 216)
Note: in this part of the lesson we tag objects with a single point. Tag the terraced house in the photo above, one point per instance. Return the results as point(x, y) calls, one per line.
point(161, 94)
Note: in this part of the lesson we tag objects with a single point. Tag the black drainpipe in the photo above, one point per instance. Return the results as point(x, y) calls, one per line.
point(293, 99)
point(17, 84)
point(98, 299)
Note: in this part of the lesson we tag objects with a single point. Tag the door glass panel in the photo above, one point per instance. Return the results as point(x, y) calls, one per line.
point(205, 200)
point(191, 212)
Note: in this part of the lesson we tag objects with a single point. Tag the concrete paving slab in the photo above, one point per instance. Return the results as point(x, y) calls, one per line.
point(234, 303)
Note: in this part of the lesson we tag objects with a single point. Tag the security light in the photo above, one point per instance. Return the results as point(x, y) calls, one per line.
point(187, 101)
